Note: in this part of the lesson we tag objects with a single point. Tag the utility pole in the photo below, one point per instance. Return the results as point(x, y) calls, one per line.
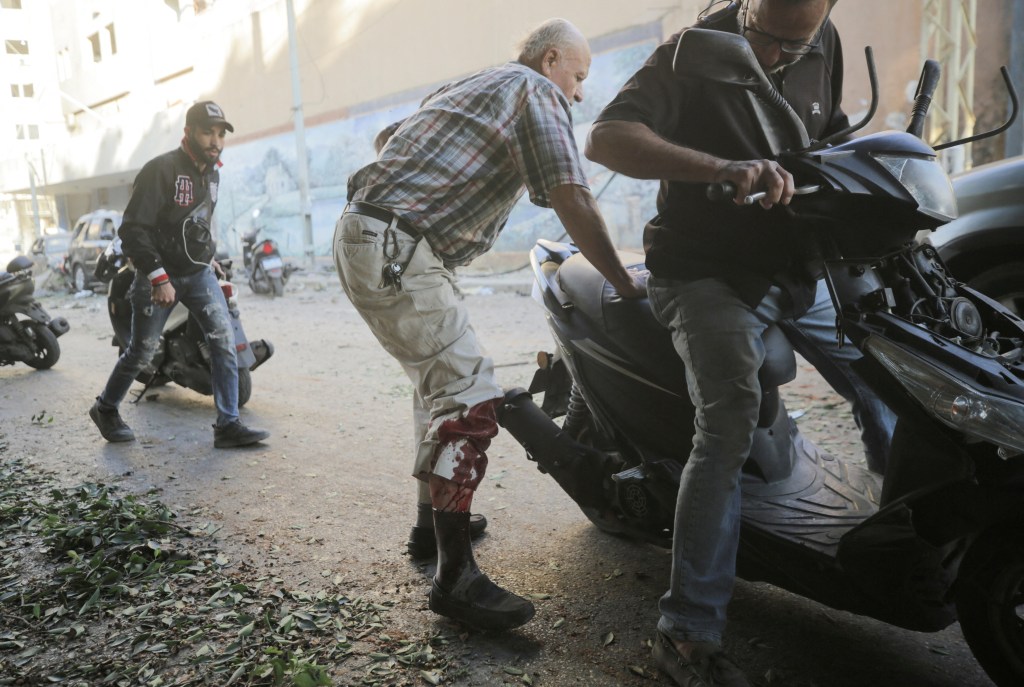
point(305, 207)
point(35, 203)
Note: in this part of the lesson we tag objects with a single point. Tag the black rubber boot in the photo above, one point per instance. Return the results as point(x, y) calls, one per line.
point(423, 544)
point(460, 591)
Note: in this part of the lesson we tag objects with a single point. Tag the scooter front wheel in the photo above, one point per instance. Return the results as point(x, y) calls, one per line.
point(990, 603)
point(244, 386)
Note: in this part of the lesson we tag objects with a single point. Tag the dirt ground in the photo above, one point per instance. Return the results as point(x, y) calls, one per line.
point(329, 495)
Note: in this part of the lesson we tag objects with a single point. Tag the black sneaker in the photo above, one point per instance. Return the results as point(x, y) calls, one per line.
point(112, 427)
point(708, 666)
point(236, 434)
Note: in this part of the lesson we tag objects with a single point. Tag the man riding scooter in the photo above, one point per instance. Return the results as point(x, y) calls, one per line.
point(721, 274)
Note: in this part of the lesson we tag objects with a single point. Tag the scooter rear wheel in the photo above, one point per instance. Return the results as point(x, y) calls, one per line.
point(990, 603)
point(47, 349)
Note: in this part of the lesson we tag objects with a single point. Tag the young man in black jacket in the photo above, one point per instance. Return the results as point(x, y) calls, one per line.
point(165, 233)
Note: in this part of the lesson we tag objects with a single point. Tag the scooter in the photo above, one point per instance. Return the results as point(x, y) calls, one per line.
point(940, 536)
point(183, 357)
point(268, 273)
point(32, 339)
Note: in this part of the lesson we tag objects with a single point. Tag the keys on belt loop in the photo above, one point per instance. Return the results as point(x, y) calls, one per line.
point(391, 273)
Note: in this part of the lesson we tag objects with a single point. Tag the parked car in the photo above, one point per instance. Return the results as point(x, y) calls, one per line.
point(91, 234)
point(49, 251)
point(984, 246)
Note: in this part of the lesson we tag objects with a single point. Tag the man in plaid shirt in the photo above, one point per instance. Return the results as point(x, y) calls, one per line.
point(437, 196)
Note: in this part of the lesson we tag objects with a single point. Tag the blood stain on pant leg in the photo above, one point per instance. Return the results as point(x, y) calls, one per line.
point(462, 442)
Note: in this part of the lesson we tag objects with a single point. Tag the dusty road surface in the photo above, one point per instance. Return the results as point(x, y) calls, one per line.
point(328, 500)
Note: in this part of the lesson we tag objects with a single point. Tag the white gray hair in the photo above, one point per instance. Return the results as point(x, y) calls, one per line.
point(554, 33)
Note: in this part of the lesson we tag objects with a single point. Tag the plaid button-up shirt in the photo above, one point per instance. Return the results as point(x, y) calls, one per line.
point(456, 167)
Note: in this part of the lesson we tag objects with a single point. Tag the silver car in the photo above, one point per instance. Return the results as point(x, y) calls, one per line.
point(984, 246)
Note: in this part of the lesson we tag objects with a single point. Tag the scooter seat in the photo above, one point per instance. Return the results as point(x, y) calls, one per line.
point(627, 322)
point(631, 322)
point(590, 292)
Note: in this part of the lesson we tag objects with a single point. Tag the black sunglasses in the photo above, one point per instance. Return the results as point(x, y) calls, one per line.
point(763, 39)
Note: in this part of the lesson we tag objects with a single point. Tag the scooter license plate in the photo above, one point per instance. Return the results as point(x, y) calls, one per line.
point(272, 263)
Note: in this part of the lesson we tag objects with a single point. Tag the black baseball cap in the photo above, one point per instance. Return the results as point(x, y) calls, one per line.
point(207, 112)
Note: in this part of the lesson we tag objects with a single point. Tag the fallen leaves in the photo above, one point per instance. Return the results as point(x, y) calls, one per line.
point(106, 588)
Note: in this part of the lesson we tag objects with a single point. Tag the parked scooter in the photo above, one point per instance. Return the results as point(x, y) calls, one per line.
point(183, 357)
point(940, 536)
point(31, 339)
point(268, 272)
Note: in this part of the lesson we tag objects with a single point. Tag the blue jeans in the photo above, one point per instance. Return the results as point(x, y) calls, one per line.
point(718, 338)
point(813, 335)
point(201, 294)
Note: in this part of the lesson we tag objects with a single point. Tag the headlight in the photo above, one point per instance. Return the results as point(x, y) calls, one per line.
point(975, 413)
point(926, 181)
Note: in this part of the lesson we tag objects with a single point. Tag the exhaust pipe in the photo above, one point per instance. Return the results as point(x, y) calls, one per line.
point(576, 467)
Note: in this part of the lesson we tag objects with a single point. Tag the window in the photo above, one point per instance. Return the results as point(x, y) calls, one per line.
point(23, 90)
point(97, 50)
point(27, 132)
point(193, 7)
point(108, 229)
point(93, 233)
point(103, 43)
point(16, 47)
point(112, 38)
point(10, 4)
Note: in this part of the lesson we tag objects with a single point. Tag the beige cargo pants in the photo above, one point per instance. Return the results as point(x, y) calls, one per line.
point(424, 326)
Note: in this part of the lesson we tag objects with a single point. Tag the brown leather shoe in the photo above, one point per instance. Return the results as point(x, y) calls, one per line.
point(708, 666)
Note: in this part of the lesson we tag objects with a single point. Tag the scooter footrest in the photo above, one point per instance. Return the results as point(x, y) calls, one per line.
point(633, 474)
point(262, 350)
point(59, 326)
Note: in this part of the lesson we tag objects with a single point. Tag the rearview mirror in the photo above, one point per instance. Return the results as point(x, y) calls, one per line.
point(728, 60)
point(717, 56)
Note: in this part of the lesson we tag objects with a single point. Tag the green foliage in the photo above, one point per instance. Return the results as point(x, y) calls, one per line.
point(138, 599)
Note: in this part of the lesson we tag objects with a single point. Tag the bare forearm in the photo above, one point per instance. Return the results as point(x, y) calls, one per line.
point(632, 149)
point(579, 214)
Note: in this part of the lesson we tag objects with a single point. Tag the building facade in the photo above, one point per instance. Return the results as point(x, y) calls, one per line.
point(98, 87)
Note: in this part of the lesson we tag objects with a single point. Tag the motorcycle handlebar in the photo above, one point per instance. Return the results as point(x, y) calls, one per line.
point(926, 86)
point(726, 190)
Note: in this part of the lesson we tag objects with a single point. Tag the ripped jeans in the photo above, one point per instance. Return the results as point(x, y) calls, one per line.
point(201, 294)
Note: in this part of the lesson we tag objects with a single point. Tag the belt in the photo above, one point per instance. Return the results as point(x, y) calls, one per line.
point(381, 215)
